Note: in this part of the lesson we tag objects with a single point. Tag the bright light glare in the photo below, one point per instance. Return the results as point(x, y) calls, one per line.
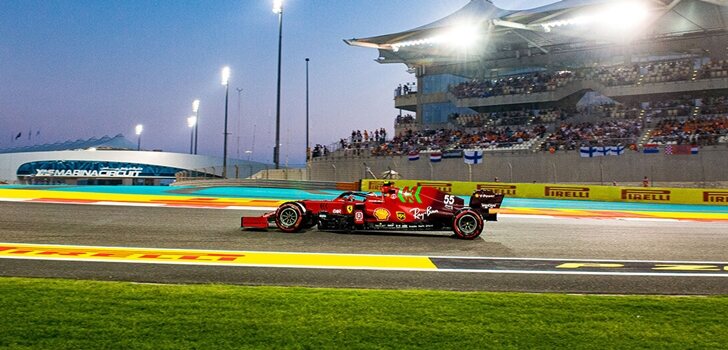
point(139, 129)
point(628, 13)
point(463, 36)
point(618, 16)
point(225, 75)
point(195, 106)
point(191, 121)
point(460, 37)
point(277, 6)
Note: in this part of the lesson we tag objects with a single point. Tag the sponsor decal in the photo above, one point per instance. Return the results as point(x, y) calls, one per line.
point(646, 195)
point(336, 211)
point(715, 197)
point(382, 214)
point(103, 172)
point(349, 209)
point(418, 214)
point(118, 254)
point(359, 217)
point(566, 192)
point(375, 185)
point(508, 190)
point(442, 186)
point(401, 215)
point(407, 195)
point(642, 266)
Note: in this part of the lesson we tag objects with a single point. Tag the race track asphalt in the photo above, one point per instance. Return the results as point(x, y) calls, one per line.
point(511, 237)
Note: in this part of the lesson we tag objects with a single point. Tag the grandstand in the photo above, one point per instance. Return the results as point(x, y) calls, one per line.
point(550, 80)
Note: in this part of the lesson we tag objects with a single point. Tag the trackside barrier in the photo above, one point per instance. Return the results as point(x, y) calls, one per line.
point(572, 192)
point(301, 185)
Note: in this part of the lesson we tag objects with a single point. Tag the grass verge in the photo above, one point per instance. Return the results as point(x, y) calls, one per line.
point(65, 314)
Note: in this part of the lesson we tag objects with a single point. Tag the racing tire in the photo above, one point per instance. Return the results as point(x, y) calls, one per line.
point(467, 224)
point(290, 217)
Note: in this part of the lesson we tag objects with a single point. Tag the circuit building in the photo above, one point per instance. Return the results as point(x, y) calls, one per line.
point(104, 161)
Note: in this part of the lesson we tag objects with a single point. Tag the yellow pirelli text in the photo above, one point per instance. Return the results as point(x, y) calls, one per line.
point(589, 265)
point(200, 257)
point(678, 267)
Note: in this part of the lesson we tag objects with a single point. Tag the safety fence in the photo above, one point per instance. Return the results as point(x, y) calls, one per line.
point(655, 195)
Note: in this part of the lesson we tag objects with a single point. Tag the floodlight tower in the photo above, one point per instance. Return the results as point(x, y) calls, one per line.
point(226, 82)
point(196, 110)
point(138, 130)
point(278, 9)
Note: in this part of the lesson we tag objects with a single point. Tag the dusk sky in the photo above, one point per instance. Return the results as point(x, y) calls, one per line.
point(82, 69)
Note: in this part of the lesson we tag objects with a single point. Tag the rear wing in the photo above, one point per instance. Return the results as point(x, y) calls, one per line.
point(484, 200)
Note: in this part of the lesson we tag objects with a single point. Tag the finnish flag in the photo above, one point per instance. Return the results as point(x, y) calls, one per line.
point(587, 152)
point(473, 157)
point(616, 150)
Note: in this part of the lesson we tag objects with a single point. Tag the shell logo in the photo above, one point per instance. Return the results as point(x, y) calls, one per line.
point(382, 214)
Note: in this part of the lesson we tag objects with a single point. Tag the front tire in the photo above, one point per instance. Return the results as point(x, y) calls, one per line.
point(290, 217)
point(467, 224)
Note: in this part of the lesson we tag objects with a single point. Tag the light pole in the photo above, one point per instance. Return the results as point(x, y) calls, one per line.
point(308, 149)
point(240, 90)
point(226, 82)
point(138, 130)
point(192, 122)
point(196, 110)
point(278, 9)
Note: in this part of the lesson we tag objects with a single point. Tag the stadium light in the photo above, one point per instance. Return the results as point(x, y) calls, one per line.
point(225, 81)
point(278, 9)
point(277, 6)
point(196, 110)
point(460, 37)
point(618, 16)
point(191, 122)
point(138, 130)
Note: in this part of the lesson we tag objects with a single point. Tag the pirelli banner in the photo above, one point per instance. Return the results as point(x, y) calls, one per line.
point(572, 192)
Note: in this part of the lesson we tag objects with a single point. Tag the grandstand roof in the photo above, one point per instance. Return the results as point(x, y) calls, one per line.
point(559, 24)
point(118, 142)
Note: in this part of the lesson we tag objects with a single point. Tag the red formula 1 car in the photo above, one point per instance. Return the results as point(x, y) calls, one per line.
point(416, 208)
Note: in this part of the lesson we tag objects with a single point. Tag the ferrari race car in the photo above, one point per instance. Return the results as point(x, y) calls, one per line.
point(417, 208)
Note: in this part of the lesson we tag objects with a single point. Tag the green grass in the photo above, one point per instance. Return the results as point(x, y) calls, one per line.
point(62, 314)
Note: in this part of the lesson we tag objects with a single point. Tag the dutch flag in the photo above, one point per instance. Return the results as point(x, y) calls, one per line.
point(473, 157)
point(435, 157)
point(650, 148)
point(414, 155)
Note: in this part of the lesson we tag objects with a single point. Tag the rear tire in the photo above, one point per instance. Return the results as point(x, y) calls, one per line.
point(467, 224)
point(290, 217)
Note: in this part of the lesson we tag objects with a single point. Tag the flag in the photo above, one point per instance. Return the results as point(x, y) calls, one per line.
point(414, 155)
point(681, 149)
point(473, 157)
point(616, 150)
point(601, 151)
point(586, 152)
point(453, 154)
point(436, 157)
point(18, 135)
point(650, 148)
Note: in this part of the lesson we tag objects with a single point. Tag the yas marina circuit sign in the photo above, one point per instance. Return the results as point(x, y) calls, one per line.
point(103, 172)
point(94, 169)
